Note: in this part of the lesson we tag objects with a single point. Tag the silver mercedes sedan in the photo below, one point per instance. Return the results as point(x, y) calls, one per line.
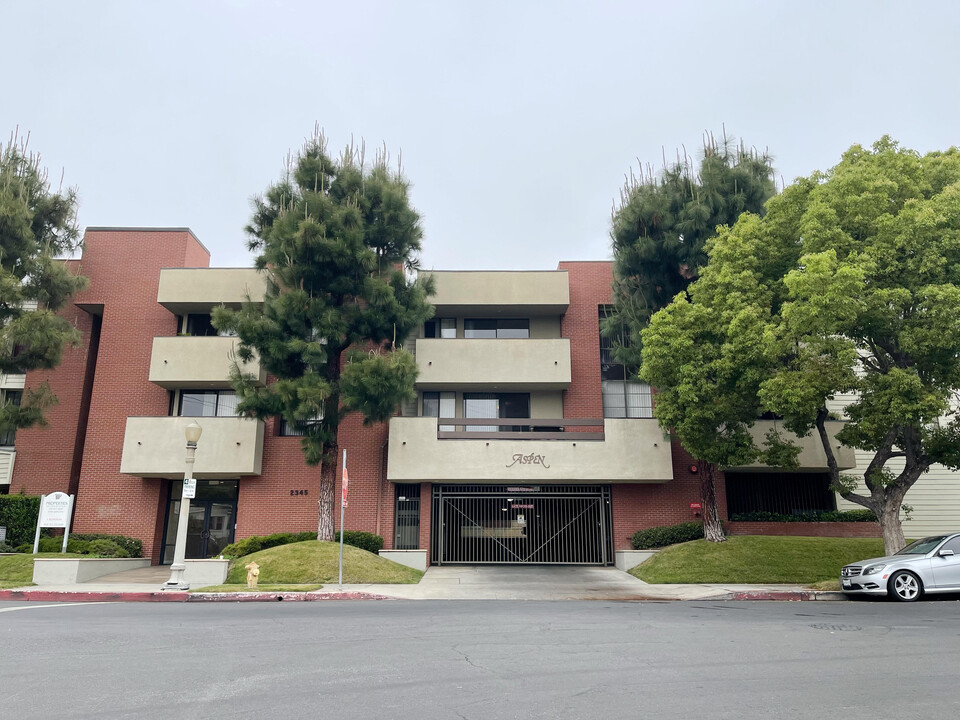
point(928, 565)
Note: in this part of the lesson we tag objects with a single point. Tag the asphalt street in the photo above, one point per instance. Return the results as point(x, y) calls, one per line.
point(481, 660)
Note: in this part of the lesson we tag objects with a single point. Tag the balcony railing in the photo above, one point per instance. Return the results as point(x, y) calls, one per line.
point(519, 429)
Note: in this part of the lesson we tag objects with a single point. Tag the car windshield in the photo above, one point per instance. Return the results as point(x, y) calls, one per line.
point(922, 546)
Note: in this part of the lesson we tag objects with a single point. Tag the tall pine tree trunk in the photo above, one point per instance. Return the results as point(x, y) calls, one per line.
point(712, 527)
point(328, 484)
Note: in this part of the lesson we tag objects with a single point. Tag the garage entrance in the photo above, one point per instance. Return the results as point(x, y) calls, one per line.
point(535, 524)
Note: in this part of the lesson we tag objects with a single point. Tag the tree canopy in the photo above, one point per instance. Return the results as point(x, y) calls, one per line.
point(850, 284)
point(662, 222)
point(37, 228)
point(336, 239)
point(659, 232)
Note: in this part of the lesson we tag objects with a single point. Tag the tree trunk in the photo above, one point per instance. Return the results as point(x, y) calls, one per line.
point(328, 483)
point(712, 527)
point(891, 528)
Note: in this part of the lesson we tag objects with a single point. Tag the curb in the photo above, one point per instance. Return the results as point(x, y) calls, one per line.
point(280, 596)
point(178, 596)
point(61, 596)
point(787, 595)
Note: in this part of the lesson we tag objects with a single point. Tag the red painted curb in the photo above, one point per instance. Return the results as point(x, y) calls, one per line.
point(787, 595)
point(279, 596)
point(59, 596)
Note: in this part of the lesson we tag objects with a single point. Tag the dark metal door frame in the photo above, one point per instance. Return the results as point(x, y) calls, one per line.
point(521, 525)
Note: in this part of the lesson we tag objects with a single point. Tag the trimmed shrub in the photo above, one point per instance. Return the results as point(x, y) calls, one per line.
point(80, 547)
point(812, 516)
point(657, 537)
point(132, 546)
point(255, 543)
point(50, 544)
point(4, 548)
point(363, 540)
point(18, 513)
point(107, 548)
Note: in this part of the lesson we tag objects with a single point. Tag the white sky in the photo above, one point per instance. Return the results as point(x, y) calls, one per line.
point(517, 120)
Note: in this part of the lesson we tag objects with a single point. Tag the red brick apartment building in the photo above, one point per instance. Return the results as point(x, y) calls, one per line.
point(526, 443)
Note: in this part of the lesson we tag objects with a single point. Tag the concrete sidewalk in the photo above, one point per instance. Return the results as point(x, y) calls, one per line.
point(483, 582)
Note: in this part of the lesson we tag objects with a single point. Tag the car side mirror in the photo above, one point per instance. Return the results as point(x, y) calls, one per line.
point(945, 553)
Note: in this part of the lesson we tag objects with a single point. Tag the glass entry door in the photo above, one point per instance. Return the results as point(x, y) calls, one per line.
point(210, 527)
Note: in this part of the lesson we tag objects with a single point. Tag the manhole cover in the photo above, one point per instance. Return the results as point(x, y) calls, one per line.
point(836, 628)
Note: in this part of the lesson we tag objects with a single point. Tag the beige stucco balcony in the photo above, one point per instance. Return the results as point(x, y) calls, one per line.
point(197, 362)
point(488, 364)
point(493, 293)
point(811, 458)
point(633, 451)
point(230, 447)
point(196, 290)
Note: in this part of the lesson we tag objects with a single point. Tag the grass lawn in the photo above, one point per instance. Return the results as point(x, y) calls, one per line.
point(17, 570)
point(260, 588)
point(314, 562)
point(757, 559)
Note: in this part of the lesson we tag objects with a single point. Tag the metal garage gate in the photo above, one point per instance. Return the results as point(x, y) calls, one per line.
point(567, 524)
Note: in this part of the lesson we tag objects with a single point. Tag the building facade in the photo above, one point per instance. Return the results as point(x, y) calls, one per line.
point(527, 442)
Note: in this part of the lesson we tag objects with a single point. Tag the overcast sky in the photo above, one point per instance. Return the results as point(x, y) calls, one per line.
point(517, 121)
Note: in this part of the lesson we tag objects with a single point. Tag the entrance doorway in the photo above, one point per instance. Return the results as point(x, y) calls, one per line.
point(212, 520)
point(538, 524)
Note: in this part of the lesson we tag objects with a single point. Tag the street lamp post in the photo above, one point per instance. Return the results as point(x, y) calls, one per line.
point(176, 581)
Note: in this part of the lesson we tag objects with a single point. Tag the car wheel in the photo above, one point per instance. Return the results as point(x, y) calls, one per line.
point(905, 586)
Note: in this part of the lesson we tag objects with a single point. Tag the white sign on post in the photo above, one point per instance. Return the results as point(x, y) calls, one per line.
point(189, 488)
point(55, 511)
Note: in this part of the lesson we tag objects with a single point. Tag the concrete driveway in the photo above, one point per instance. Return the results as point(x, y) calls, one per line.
point(515, 582)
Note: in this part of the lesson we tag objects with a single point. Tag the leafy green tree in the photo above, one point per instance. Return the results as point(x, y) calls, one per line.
point(37, 226)
point(849, 285)
point(336, 239)
point(659, 232)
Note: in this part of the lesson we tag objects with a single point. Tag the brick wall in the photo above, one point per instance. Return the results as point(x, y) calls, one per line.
point(46, 456)
point(809, 529)
point(123, 266)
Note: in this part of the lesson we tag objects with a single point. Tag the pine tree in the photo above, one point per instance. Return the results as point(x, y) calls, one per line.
point(37, 227)
point(660, 229)
point(336, 241)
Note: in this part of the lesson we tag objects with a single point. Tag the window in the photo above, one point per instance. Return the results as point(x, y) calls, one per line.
point(208, 403)
point(12, 397)
point(624, 396)
point(440, 328)
point(500, 328)
point(438, 405)
point(200, 325)
point(626, 399)
point(296, 429)
point(496, 405)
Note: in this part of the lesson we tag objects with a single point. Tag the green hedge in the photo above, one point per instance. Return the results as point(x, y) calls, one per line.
point(18, 513)
point(657, 537)
point(133, 547)
point(813, 516)
point(255, 543)
point(363, 540)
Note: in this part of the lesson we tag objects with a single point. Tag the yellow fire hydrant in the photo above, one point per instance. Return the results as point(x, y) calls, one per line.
point(253, 572)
